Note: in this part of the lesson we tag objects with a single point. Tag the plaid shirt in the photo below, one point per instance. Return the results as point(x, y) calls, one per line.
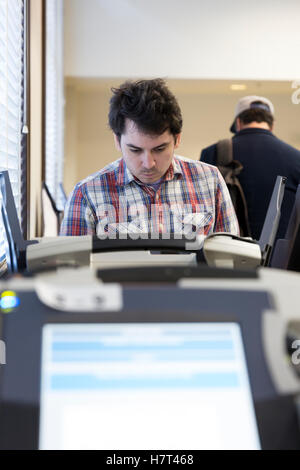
point(193, 197)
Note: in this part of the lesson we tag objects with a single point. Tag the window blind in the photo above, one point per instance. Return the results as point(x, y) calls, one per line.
point(11, 101)
point(54, 132)
point(11, 91)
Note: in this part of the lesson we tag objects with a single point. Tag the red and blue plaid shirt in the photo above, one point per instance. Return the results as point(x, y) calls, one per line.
point(192, 197)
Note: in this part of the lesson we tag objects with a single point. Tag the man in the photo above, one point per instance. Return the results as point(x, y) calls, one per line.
point(149, 189)
point(263, 157)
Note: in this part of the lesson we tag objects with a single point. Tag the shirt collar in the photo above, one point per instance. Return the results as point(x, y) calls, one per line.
point(177, 169)
point(125, 176)
point(254, 130)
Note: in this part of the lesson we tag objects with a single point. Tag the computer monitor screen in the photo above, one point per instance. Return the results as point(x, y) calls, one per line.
point(145, 386)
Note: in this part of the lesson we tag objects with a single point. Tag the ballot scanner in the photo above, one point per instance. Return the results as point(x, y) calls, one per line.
point(18, 255)
point(229, 251)
point(226, 250)
point(222, 250)
point(194, 359)
point(219, 249)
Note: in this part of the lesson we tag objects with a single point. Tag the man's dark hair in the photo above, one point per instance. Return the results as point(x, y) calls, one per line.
point(149, 104)
point(256, 115)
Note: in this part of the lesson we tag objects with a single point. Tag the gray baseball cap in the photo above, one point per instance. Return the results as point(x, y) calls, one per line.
point(249, 102)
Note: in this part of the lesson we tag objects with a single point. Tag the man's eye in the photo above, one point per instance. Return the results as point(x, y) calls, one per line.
point(160, 149)
point(135, 150)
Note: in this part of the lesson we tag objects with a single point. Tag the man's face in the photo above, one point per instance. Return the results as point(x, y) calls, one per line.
point(147, 156)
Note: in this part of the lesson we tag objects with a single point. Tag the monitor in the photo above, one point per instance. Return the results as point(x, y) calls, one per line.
point(18, 255)
point(272, 219)
point(286, 253)
point(170, 367)
point(11, 239)
point(146, 386)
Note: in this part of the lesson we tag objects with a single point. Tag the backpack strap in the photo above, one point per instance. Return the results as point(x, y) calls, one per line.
point(224, 152)
point(225, 162)
point(230, 169)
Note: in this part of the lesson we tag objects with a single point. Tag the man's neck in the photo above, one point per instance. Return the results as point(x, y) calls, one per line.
point(255, 125)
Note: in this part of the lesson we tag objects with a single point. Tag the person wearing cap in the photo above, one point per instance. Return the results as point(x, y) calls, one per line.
point(263, 157)
point(149, 189)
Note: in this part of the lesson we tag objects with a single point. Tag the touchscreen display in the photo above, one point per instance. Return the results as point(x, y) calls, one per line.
point(145, 386)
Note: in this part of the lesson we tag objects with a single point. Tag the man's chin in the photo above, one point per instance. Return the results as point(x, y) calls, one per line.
point(149, 178)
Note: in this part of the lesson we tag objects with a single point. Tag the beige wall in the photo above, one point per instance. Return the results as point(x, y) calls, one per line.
point(207, 108)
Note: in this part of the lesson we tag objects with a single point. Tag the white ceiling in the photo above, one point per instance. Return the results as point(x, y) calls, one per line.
point(213, 39)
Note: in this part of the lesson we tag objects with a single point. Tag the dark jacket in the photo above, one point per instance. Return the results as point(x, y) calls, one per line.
point(263, 157)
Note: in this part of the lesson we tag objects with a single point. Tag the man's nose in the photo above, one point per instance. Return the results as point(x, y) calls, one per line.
point(148, 161)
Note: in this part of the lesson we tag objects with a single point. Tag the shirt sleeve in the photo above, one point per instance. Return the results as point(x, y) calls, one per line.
point(225, 216)
point(78, 215)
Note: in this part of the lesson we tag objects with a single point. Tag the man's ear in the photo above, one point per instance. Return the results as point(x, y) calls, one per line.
point(117, 142)
point(237, 124)
point(177, 140)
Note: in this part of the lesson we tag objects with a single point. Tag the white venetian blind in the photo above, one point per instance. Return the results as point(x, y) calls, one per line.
point(54, 98)
point(11, 91)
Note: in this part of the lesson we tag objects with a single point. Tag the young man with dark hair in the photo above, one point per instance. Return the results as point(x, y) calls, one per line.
point(149, 189)
point(263, 157)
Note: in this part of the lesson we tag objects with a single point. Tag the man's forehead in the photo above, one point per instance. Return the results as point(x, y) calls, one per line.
point(133, 131)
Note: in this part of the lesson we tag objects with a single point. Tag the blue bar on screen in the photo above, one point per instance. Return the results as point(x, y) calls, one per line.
point(60, 382)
